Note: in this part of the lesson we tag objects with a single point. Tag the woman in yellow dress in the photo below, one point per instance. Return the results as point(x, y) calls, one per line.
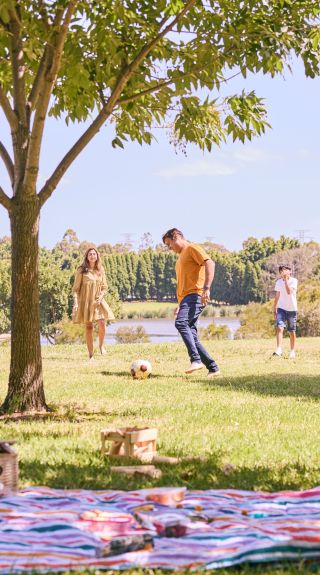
point(89, 287)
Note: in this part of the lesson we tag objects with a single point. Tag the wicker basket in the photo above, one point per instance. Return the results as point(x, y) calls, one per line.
point(9, 470)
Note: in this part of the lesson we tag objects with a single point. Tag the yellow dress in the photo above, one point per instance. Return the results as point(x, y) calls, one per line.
point(86, 288)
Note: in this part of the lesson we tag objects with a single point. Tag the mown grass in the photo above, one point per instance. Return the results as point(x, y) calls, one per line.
point(262, 416)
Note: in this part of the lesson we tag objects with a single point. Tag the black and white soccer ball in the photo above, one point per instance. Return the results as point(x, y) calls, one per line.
point(140, 368)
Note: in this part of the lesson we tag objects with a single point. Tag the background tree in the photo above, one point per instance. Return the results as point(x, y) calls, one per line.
point(304, 260)
point(5, 295)
point(136, 64)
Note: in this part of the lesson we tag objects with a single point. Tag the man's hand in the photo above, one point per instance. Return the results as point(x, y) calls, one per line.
point(75, 307)
point(205, 296)
point(176, 311)
point(285, 275)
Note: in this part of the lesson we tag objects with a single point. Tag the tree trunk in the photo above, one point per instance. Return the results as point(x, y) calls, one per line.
point(25, 391)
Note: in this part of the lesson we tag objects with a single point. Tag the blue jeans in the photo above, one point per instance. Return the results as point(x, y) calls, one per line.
point(186, 324)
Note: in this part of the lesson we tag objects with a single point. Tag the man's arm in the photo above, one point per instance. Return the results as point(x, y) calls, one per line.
point(209, 267)
point(289, 289)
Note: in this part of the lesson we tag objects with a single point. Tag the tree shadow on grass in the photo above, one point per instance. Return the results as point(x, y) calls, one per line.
point(274, 384)
point(89, 470)
point(70, 412)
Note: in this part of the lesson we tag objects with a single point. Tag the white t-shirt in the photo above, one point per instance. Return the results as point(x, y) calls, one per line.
point(286, 301)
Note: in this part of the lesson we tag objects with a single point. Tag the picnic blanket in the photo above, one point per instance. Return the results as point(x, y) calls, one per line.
point(44, 529)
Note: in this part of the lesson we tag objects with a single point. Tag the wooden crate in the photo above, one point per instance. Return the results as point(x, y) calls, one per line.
point(130, 442)
point(9, 470)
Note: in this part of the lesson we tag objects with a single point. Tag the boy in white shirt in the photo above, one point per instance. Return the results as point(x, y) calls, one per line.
point(285, 308)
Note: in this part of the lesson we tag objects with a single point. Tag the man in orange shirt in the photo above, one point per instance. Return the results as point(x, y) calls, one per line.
point(195, 271)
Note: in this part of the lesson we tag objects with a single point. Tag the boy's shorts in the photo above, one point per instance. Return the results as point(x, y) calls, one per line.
point(287, 319)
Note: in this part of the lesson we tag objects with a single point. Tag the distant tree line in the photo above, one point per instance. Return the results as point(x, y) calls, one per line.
point(149, 273)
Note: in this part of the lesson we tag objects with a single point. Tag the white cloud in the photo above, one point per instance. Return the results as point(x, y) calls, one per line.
point(251, 155)
point(198, 168)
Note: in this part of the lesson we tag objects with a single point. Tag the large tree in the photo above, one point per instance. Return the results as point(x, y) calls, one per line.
point(135, 63)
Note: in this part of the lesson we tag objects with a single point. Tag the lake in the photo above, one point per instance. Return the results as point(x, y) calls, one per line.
point(163, 330)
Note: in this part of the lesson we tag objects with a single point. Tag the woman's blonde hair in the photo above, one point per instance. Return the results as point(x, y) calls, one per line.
point(85, 264)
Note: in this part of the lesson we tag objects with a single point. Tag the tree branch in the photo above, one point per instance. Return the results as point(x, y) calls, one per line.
point(123, 80)
point(44, 16)
point(44, 62)
point(18, 68)
point(4, 154)
point(38, 81)
point(5, 201)
point(165, 83)
point(144, 92)
point(107, 109)
point(44, 93)
point(8, 111)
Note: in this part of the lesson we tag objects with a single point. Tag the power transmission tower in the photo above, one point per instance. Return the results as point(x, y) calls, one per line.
point(128, 238)
point(302, 236)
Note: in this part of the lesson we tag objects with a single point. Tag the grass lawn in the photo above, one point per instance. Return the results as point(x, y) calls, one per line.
point(262, 416)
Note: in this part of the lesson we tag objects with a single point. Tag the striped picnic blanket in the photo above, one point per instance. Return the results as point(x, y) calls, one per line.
point(44, 529)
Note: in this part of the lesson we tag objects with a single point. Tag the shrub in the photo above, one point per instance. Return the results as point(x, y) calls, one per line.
point(257, 321)
point(65, 331)
point(214, 331)
point(132, 335)
point(308, 324)
point(231, 311)
point(210, 311)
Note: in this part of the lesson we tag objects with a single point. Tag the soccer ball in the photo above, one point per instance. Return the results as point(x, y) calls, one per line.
point(140, 369)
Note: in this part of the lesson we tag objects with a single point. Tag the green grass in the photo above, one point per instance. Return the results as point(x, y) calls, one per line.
point(262, 416)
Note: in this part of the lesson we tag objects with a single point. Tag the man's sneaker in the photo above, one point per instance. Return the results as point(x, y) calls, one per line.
point(292, 354)
point(277, 353)
point(214, 373)
point(195, 366)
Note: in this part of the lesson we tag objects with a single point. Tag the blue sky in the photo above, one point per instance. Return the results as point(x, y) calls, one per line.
point(266, 187)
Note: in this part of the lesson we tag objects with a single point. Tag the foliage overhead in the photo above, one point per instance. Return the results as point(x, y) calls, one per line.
point(145, 64)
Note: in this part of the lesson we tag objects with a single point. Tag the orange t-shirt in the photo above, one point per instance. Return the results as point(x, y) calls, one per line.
point(190, 270)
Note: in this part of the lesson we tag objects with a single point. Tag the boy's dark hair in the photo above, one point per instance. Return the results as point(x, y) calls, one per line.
point(170, 234)
point(285, 267)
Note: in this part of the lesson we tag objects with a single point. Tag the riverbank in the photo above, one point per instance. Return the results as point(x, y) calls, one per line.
point(163, 330)
point(162, 309)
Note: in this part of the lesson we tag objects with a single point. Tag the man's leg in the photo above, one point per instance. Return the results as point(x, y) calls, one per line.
point(206, 358)
point(279, 337)
point(292, 326)
point(186, 314)
point(280, 325)
point(293, 337)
